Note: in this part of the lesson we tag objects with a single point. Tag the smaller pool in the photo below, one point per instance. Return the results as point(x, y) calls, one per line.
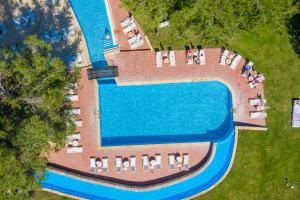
point(164, 113)
point(94, 23)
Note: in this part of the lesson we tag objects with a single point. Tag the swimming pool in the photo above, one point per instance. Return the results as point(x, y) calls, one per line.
point(94, 23)
point(164, 113)
point(202, 181)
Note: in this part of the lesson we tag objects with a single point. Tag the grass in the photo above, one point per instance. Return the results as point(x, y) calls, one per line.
point(43, 195)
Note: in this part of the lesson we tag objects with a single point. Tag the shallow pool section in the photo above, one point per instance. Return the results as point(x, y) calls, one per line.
point(94, 23)
point(164, 113)
point(200, 182)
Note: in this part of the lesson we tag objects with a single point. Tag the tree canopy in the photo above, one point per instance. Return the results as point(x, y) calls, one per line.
point(33, 113)
point(214, 22)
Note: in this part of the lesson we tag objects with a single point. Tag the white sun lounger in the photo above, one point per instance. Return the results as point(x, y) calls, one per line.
point(74, 150)
point(172, 58)
point(118, 164)
point(78, 122)
point(92, 164)
point(78, 58)
point(223, 57)
point(158, 59)
point(133, 163)
point(72, 97)
point(137, 43)
point(127, 21)
point(202, 57)
point(75, 136)
point(145, 162)
point(135, 38)
point(158, 161)
point(129, 28)
point(258, 115)
point(257, 101)
point(104, 165)
point(171, 159)
point(75, 111)
point(235, 61)
point(186, 161)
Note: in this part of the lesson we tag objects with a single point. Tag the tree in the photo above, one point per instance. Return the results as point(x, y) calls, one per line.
point(214, 22)
point(33, 113)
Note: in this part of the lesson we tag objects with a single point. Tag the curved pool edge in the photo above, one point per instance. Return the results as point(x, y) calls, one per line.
point(184, 189)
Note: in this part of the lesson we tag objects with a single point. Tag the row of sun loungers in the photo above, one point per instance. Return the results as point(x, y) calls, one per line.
point(296, 114)
point(135, 38)
point(149, 163)
point(167, 57)
point(97, 165)
point(180, 164)
point(259, 103)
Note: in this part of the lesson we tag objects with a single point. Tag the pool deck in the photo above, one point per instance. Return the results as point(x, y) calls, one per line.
point(139, 67)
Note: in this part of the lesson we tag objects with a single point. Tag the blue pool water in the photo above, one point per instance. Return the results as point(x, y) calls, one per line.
point(94, 23)
point(164, 113)
point(198, 183)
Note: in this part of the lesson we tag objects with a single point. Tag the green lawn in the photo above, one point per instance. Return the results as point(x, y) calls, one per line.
point(43, 195)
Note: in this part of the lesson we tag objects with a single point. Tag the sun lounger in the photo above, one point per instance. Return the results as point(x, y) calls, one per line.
point(145, 162)
point(247, 69)
point(158, 161)
point(135, 38)
point(172, 58)
point(158, 59)
point(132, 163)
point(75, 111)
point(75, 136)
point(72, 97)
point(202, 57)
point(118, 164)
point(129, 28)
point(78, 122)
point(92, 164)
point(78, 58)
point(74, 150)
point(186, 161)
point(224, 56)
point(171, 161)
point(104, 165)
point(235, 61)
point(258, 115)
point(127, 21)
point(257, 101)
point(137, 43)
point(295, 124)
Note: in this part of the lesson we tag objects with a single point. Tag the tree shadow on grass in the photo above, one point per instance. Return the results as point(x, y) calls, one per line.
point(293, 26)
